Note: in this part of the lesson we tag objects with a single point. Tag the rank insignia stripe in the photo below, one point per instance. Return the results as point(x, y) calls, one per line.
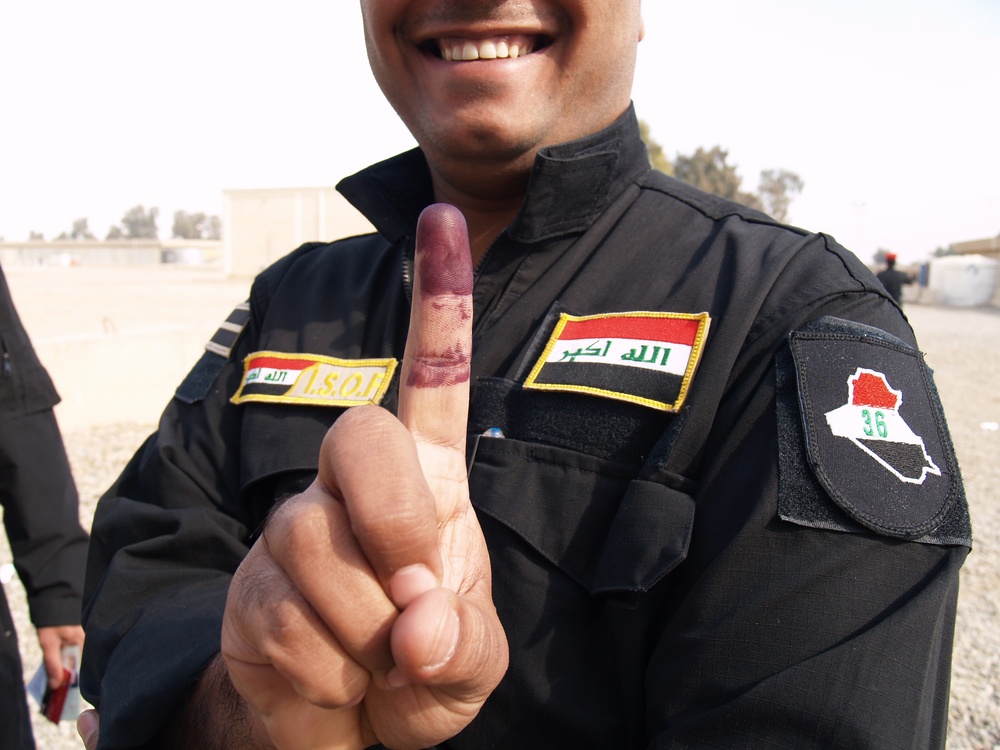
point(313, 380)
point(646, 358)
point(224, 339)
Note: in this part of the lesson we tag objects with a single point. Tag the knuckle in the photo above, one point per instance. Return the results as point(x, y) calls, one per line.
point(343, 685)
point(304, 529)
point(301, 536)
point(284, 622)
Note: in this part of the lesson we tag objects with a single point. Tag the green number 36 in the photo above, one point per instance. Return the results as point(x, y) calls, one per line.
point(879, 426)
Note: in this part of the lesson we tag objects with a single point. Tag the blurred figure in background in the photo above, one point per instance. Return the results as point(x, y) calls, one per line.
point(893, 279)
point(40, 514)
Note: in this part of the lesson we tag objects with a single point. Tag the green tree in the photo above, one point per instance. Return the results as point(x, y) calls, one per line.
point(80, 231)
point(138, 224)
point(196, 226)
point(36, 236)
point(657, 157)
point(214, 231)
point(187, 226)
point(711, 171)
point(115, 233)
point(777, 189)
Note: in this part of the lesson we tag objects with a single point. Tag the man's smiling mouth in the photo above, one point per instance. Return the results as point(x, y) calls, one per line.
point(508, 46)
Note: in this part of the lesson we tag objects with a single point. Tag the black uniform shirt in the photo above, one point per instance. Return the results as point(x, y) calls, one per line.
point(694, 540)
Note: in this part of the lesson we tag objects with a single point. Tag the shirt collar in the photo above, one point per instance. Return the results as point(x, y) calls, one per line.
point(570, 185)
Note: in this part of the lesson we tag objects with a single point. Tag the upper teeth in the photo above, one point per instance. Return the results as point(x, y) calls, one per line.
point(455, 50)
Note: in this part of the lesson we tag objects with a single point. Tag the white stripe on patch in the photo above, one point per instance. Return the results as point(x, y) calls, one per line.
point(648, 355)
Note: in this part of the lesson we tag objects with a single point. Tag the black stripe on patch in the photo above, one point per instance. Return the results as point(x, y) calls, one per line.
point(266, 389)
point(635, 382)
point(225, 338)
point(240, 315)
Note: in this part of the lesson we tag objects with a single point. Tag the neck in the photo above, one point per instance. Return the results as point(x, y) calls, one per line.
point(485, 224)
point(489, 203)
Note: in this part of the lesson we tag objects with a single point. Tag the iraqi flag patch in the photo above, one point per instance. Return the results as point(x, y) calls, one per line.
point(646, 358)
point(874, 430)
point(312, 379)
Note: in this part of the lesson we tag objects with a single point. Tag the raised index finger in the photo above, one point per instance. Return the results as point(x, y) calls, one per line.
point(401, 478)
point(434, 385)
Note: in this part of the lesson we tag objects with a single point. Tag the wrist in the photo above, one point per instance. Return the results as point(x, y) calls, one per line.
point(213, 716)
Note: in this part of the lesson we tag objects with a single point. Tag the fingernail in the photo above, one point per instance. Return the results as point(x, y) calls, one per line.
point(447, 641)
point(396, 679)
point(410, 582)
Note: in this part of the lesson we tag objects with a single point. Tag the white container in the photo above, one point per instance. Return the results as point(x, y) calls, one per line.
point(964, 280)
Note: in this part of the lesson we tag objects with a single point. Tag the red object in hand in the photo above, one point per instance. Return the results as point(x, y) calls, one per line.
point(54, 700)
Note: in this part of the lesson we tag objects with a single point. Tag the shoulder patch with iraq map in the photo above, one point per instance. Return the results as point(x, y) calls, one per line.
point(875, 434)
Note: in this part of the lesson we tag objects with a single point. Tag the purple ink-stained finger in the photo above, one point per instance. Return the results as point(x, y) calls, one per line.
point(444, 260)
point(437, 364)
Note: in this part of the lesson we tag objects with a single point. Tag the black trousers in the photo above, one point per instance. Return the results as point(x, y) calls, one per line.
point(15, 722)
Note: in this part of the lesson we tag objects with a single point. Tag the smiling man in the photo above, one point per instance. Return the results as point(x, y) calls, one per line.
point(481, 117)
point(567, 454)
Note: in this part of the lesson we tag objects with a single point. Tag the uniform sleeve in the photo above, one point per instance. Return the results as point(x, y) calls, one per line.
point(36, 485)
point(166, 539)
point(169, 534)
point(41, 517)
point(816, 606)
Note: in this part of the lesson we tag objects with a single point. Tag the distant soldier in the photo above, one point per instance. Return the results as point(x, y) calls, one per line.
point(39, 502)
point(893, 280)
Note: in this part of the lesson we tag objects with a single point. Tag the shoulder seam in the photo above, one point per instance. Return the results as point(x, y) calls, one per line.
point(711, 206)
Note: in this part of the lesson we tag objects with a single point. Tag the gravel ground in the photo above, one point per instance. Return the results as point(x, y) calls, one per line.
point(962, 346)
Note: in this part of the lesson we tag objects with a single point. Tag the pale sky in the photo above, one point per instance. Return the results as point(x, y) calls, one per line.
point(886, 109)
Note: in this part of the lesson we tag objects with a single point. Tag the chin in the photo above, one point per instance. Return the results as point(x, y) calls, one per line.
point(485, 144)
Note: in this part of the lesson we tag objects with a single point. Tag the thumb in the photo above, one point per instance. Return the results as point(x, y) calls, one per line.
point(88, 725)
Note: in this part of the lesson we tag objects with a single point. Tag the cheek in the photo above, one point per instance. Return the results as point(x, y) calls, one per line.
point(383, 52)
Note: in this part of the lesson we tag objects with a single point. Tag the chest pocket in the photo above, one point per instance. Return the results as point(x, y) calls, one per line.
point(570, 477)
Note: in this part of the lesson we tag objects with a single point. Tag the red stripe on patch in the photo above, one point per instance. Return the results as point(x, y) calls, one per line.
point(674, 330)
point(277, 363)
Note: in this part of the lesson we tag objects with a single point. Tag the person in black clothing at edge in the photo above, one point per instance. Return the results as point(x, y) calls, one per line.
point(41, 518)
point(581, 457)
point(893, 279)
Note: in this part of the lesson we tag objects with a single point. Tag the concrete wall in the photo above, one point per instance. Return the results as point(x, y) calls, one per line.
point(261, 225)
point(118, 377)
point(117, 340)
point(66, 253)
